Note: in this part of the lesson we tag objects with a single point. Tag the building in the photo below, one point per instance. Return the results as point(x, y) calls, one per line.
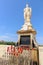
point(27, 51)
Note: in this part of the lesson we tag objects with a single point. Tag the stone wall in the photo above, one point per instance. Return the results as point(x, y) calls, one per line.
point(20, 59)
point(11, 55)
point(41, 55)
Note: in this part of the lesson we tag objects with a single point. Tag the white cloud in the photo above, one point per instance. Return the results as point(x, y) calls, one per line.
point(3, 37)
point(9, 37)
point(14, 37)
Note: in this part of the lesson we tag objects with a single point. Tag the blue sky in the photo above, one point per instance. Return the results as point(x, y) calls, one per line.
point(11, 18)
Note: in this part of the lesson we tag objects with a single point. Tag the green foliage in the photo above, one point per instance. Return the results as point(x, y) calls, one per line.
point(7, 43)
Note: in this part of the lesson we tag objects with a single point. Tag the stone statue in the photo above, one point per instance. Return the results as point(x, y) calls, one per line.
point(27, 13)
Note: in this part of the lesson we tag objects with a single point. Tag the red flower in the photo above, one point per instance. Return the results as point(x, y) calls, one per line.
point(16, 54)
point(32, 48)
point(20, 50)
point(28, 48)
point(7, 49)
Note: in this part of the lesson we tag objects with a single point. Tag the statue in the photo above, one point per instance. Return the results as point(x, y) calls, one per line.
point(27, 13)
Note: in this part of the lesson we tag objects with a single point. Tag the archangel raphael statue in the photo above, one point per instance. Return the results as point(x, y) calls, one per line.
point(27, 13)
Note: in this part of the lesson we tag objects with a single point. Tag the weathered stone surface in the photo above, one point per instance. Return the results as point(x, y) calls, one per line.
point(21, 59)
